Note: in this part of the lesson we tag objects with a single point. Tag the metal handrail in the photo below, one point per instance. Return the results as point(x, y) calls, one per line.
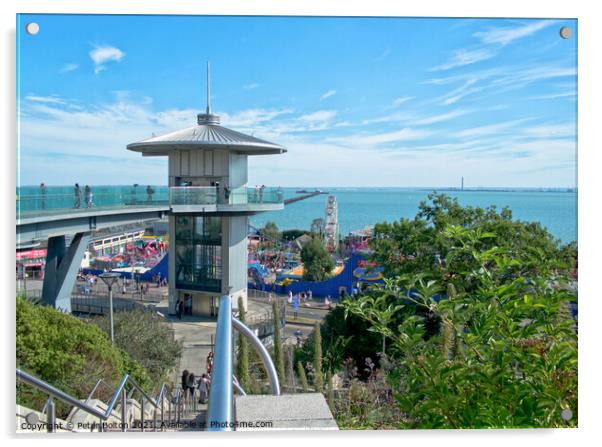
point(220, 412)
point(120, 392)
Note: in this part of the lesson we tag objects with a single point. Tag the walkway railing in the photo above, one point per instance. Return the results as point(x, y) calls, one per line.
point(38, 200)
point(120, 395)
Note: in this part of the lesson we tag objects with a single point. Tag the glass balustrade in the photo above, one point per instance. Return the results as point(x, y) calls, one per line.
point(34, 201)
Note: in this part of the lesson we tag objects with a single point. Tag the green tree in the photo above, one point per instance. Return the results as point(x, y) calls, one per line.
point(271, 235)
point(505, 354)
point(317, 363)
point(316, 261)
point(317, 227)
point(278, 352)
point(69, 354)
point(302, 377)
point(242, 364)
point(147, 339)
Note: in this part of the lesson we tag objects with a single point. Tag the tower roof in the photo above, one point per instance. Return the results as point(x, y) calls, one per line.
point(207, 134)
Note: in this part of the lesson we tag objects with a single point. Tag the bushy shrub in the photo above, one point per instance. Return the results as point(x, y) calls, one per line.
point(67, 353)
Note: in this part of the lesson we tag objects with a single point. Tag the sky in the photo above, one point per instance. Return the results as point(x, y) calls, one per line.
point(395, 102)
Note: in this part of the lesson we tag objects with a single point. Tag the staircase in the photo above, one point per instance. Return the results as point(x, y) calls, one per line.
point(130, 409)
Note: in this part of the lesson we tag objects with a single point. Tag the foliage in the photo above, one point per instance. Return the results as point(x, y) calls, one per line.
point(316, 261)
point(366, 404)
point(317, 363)
point(242, 363)
point(505, 354)
point(278, 353)
point(291, 235)
point(419, 245)
point(67, 353)
point(317, 226)
point(342, 337)
point(272, 235)
point(302, 377)
point(146, 338)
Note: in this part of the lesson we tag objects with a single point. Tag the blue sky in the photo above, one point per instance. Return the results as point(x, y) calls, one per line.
point(356, 101)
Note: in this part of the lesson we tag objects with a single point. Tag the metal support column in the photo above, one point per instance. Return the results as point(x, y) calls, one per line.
point(62, 265)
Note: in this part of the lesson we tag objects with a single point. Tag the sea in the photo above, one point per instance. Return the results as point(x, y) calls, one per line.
point(362, 207)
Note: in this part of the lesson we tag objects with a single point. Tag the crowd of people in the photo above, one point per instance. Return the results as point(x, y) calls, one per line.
point(202, 384)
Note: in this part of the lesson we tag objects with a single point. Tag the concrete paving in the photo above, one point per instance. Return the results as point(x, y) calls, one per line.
point(304, 411)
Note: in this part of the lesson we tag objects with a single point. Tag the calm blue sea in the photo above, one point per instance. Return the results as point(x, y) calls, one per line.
point(360, 207)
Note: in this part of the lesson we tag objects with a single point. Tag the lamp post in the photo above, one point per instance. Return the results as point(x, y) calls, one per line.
point(109, 279)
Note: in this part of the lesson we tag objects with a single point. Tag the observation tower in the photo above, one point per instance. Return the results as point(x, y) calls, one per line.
point(210, 205)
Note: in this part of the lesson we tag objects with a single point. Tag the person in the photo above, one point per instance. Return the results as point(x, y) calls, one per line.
point(88, 195)
point(189, 304)
point(290, 297)
point(295, 306)
point(203, 389)
point(261, 193)
point(209, 362)
point(185, 375)
point(191, 384)
point(227, 193)
point(43, 195)
point(149, 193)
point(310, 295)
point(78, 196)
point(179, 308)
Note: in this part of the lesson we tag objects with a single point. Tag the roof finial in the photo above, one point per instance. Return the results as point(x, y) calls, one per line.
point(208, 88)
point(208, 118)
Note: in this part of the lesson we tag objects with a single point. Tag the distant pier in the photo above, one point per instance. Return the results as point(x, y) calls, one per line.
point(302, 197)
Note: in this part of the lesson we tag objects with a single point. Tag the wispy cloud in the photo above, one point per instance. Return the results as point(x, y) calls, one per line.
point(366, 140)
point(401, 100)
point(383, 55)
point(465, 57)
point(506, 35)
point(100, 55)
point(68, 67)
point(45, 99)
point(320, 115)
point(459, 92)
point(252, 86)
point(491, 129)
point(328, 94)
point(439, 118)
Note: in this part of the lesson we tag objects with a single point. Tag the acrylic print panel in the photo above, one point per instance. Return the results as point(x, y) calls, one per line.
point(386, 205)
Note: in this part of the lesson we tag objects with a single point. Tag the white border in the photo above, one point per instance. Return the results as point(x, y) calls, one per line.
point(590, 172)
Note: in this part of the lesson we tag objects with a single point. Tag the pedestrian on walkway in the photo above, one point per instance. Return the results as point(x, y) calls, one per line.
point(185, 375)
point(210, 363)
point(88, 195)
point(78, 196)
point(43, 195)
point(203, 389)
point(191, 384)
point(179, 309)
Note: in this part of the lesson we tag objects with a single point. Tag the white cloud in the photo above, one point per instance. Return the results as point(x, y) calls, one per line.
point(102, 54)
point(563, 130)
point(320, 115)
point(328, 94)
point(252, 86)
point(464, 57)
point(504, 36)
point(439, 118)
point(364, 140)
point(252, 117)
point(489, 129)
point(68, 67)
point(45, 99)
point(401, 100)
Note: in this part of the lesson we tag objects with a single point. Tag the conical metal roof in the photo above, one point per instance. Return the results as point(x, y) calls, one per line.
point(207, 134)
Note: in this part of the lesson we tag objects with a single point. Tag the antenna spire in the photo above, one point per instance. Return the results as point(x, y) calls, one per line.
point(208, 88)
